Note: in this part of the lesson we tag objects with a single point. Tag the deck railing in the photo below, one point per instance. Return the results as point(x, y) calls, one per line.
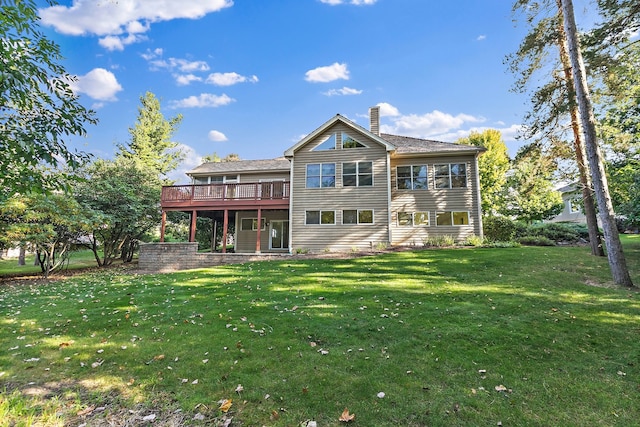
point(272, 190)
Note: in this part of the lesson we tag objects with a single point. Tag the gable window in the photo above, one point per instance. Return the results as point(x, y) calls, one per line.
point(357, 216)
point(251, 224)
point(349, 142)
point(452, 218)
point(320, 217)
point(321, 175)
point(327, 144)
point(412, 177)
point(357, 174)
point(452, 175)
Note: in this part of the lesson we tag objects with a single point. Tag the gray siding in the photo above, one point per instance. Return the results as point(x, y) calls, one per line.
point(246, 239)
point(339, 236)
point(434, 200)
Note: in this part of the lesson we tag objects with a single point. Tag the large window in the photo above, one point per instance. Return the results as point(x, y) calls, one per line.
point(412, 177)
point(349, 142)
point(416, 219)
point(357, 216)
point(452, 218)
point(327, 144)
point(452, 175)
point(251, 224)
point(320, 217)
point(357, 174)
point(321, 175)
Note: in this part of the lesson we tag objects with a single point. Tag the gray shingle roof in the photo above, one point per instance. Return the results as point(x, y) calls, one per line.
point(275, 165)
point(409, 145)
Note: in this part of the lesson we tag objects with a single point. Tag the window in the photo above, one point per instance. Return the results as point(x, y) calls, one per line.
point(251, 224)
point(405, 219)
point(320, 217)
point(363, 216)
point(415, 219)
point(421, 218)
point(327, 144)
point(412, 177)
point(357, 174)
point(321, 175)
point(349, 142)
point(452, 218)
point(575, 205)
point(453, 175)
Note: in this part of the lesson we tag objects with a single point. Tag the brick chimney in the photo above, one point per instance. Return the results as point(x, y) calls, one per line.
point(374, 120)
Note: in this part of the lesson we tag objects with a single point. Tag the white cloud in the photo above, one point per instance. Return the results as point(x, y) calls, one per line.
point(217, 136)
point(388, 110)
point(120, 20)
point(118, 43)
point(98, 84)
point(229, 79)
point(344, 91)
point(435, 125)
point(481, 37)
point(202, 101)
point(328, 73)
point(186, 79)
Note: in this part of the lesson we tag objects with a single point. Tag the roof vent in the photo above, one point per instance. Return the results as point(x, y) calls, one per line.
point(374, 120)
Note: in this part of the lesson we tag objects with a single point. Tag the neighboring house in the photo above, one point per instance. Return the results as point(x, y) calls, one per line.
point(572, 201)
point(341, 187)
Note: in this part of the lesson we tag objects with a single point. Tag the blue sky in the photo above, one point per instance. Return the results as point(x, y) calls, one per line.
point(253, 77)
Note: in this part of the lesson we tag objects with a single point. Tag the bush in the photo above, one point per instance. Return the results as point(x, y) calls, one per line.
point(499, 229)
point(536, 241)
point(474, 240)
point(439, 241)
point(555, 231)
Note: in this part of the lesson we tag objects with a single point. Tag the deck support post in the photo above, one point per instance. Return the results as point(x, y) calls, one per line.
point(163, 225)
point(192, 229)
point(225, 226)
point(259, 226)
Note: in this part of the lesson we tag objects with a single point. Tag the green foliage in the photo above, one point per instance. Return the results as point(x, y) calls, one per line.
point(125, 198)
point(535, 241)
point(439, 241)
point(624, 186)
point(474, 240)
point(498, 229)
point(151, 146)
point(493, 165)
point(556, 232)
point(38, 110)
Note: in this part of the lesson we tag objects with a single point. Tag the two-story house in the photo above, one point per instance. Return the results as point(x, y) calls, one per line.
point(341, 187)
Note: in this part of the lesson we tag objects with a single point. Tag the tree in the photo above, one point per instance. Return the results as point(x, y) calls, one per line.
point(615, 255)
point(529, 193)
point(151, 146)
point(493, 165)
point(49, 224)
point(125, 197)
point(38, 110)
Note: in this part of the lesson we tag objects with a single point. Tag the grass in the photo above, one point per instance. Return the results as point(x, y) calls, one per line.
point(78, 260)
point(520, 336)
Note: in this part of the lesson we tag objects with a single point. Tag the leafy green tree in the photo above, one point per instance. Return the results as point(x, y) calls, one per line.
point(529, 193)
point(151, 145)
point(493, 165)
point(38, 110)
point(126, 198)
point(49, 224)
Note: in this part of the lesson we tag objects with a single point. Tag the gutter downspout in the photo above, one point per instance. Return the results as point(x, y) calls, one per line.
point(291, 208)
point(479, 196)
point(389, 213)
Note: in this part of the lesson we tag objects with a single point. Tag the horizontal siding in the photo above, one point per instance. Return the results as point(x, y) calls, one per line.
point(434, 200)
point(264, 176)
point(338, 198)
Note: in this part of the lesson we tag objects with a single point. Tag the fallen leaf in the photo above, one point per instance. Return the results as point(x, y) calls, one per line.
point(346, 417)
point(239, 388)
point(149, 417)
point(225, 405)
point(275, 415)
point(86, 411)
point(381, 395)
point(159, 357)
point(64, 344)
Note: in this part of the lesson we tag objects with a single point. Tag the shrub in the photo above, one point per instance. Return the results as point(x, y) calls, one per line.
point(474, 240)
point(536, 241)
point(557, 232)
point(511, 244)
point(381, 246)
point(439, 241)
point(499, 229)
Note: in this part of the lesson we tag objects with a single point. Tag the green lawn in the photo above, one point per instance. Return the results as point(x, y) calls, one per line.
point(518, 336)
point(77, 260)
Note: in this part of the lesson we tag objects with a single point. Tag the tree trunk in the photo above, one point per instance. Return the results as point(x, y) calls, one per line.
point(615, 255)
point(578, 146)
point(22, 255)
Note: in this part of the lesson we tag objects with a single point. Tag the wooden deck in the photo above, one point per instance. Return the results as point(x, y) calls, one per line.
point(272, 194)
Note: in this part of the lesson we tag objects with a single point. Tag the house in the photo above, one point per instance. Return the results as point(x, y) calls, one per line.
point(572, 204)
point(339, 188)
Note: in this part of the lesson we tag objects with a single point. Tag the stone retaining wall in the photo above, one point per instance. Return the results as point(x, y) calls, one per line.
point(166, 257)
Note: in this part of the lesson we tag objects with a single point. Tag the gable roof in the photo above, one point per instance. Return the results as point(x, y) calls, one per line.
point(406, 145)
point(279, 164)
point(335, 119)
